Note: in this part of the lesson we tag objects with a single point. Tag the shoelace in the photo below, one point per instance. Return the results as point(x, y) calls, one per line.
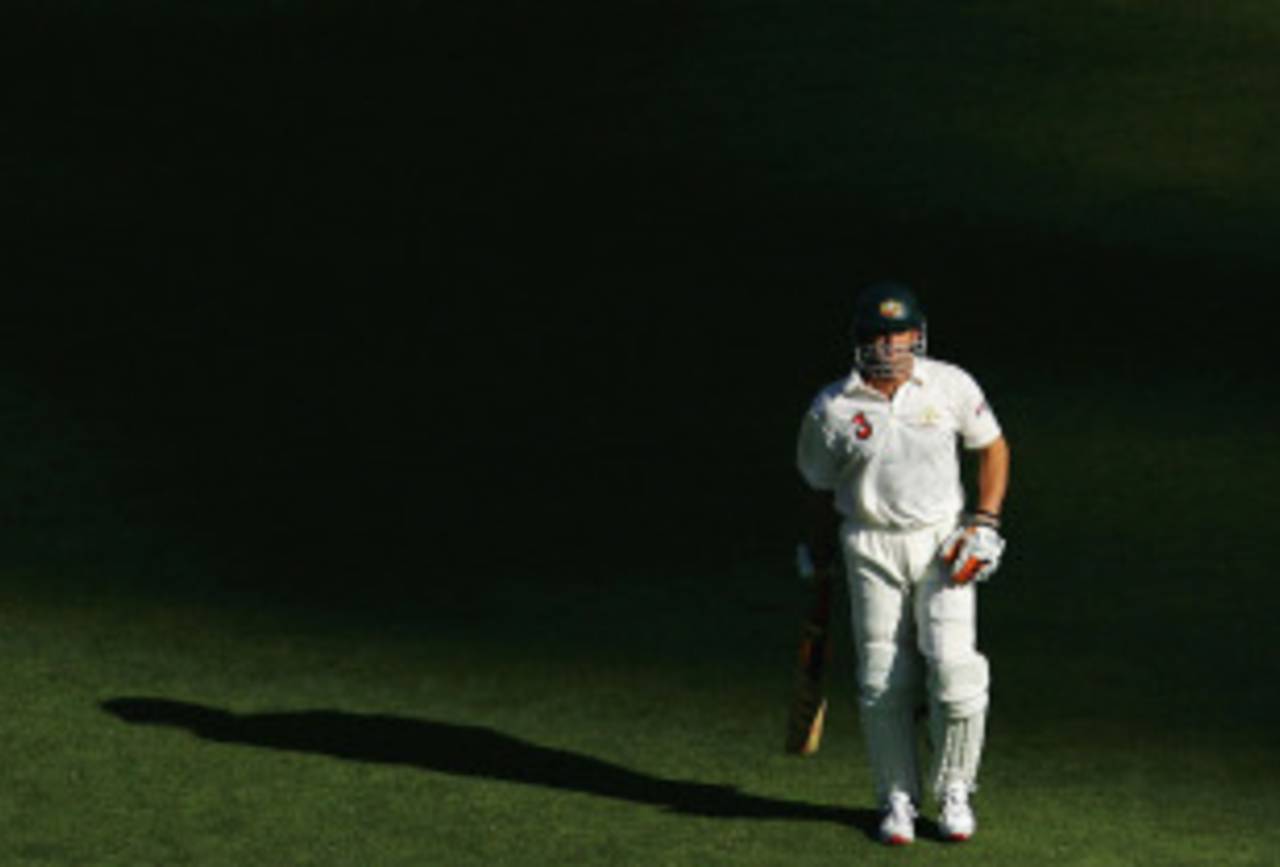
point(902, 809)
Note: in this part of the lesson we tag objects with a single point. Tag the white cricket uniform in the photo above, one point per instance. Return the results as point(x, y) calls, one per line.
point(893, 468)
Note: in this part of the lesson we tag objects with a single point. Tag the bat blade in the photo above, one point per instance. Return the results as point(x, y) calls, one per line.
point(808, 703)
point(808, 710)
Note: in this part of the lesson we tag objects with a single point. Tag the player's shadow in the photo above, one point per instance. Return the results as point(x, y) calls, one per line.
point(468, 751)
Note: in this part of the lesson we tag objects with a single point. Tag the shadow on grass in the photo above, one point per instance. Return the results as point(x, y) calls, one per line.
point(468, 751)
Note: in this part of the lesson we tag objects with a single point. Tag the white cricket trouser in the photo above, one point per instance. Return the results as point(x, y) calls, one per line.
point(915, 634)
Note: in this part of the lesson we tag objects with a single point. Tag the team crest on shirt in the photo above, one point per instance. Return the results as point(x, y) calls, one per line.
point(931, 416)
point(893, 309)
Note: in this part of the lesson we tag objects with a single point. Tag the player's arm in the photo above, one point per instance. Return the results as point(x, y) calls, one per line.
point(992, 477)
point(819, 465)
point(974, 549)
point(819, 529)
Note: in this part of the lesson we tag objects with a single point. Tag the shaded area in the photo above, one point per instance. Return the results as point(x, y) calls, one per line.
point(360, 300)
point(468, 751)
point(315, 290)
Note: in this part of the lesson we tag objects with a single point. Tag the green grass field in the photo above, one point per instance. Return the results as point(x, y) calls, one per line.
point(637, 720)
point(617, 715)
point(397, 400)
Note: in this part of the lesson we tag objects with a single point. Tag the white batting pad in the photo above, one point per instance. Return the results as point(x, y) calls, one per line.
point(957, 750)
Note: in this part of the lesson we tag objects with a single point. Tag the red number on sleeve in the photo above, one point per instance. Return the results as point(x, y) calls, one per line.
point(861, 427)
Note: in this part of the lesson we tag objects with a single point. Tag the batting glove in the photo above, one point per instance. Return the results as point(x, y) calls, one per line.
point(973, 552)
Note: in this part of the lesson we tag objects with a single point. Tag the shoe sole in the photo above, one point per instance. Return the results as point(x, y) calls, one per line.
point(897, 841)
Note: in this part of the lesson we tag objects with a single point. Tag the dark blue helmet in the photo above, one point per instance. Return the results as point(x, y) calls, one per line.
point(883, 308)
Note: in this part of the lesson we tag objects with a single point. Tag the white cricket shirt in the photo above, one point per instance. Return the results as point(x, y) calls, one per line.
point(894, 463)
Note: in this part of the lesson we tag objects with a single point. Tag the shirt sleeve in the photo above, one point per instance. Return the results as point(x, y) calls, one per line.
point(815, 458)
point(978, 425)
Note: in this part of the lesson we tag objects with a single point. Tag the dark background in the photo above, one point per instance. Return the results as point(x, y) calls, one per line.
point(362, 303)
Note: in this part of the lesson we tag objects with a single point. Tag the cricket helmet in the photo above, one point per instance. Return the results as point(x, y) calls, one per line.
point(882, 309)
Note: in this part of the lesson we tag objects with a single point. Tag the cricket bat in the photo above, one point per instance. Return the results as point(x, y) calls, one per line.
point(808, 709)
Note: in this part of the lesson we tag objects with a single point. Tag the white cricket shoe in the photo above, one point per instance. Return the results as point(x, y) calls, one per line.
point(898, 827)
point(956, 821)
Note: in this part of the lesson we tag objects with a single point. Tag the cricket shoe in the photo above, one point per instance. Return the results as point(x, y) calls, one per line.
point(898, 827)
point(956, 821)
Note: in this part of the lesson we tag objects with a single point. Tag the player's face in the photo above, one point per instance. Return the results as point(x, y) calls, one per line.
point(893, 355)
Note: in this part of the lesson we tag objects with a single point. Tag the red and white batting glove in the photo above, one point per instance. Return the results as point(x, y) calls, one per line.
point(973, 551)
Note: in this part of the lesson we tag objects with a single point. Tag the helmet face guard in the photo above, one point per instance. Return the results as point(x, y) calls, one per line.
point(879, 358)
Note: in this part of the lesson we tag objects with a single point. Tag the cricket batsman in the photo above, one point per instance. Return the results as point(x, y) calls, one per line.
point(879, 452)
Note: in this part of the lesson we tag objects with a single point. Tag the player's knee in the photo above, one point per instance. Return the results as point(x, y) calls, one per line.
point(961, 686)
point(886, 675)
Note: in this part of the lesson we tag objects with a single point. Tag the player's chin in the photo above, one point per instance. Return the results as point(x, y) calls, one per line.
point(895, 371)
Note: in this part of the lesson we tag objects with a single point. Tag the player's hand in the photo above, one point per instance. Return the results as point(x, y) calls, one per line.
point(973, 552)
point(811, 573)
